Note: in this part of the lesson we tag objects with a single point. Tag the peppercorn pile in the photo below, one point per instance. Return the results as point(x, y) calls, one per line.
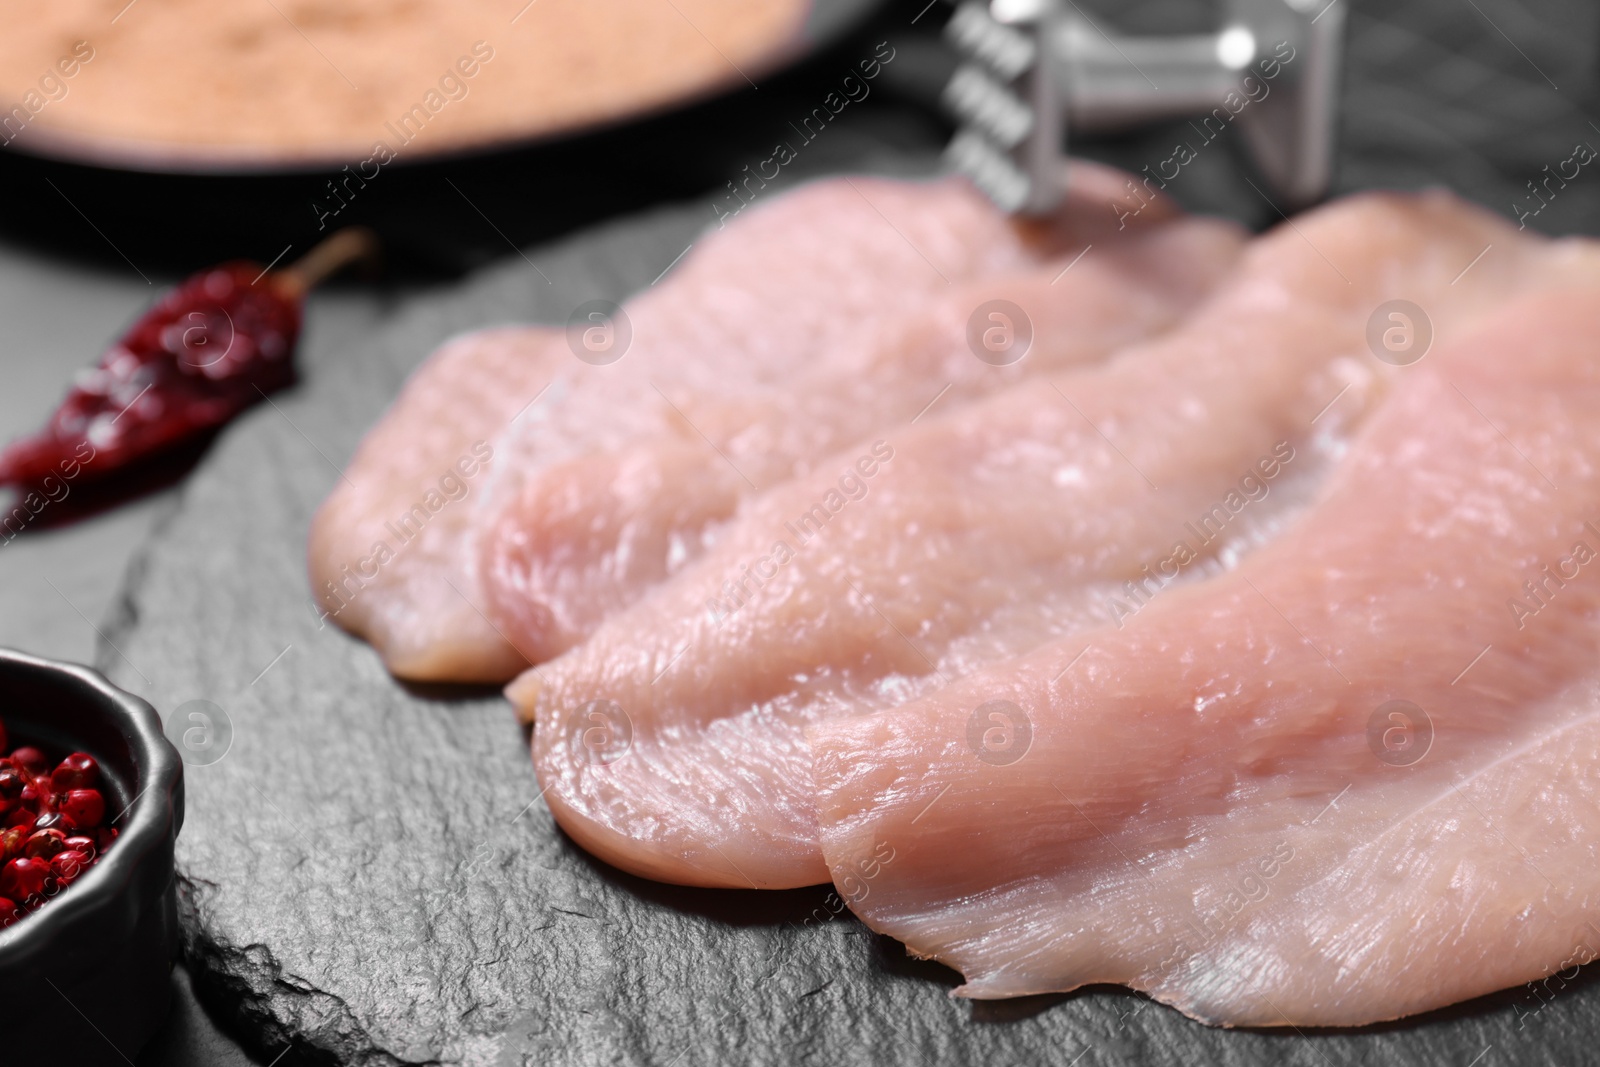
point(54, 825)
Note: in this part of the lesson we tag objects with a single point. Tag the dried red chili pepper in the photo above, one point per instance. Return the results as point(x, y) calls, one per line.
point(210, 348)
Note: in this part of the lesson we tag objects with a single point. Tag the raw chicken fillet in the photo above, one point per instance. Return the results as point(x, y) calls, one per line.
point(1214, 647)
point(971, 538)
point(594, 479)
point(1219, 805)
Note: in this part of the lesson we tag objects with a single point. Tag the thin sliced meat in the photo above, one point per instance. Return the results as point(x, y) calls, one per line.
point(1220, 804)
point(829, 261)
point(983, 534)
point(389, 562)
point(587, 537)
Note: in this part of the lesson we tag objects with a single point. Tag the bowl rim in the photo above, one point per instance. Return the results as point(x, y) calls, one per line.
point(823, 24)
point(152, 818)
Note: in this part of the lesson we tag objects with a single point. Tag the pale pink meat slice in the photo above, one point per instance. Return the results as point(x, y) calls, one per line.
point(587, 537)
point(991, 530)
point(416, 607)
point(1202, 812)
point(752, 305)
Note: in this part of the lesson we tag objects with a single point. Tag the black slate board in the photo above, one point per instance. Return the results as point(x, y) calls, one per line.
point(369, 875)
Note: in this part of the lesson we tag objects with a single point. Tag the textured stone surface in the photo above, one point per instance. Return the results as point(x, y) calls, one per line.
point(371, 876)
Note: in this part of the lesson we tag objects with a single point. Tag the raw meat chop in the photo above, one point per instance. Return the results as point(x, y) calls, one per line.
point(393, 551)
point(587, 537)
point(1218, 804)
point(977, 536)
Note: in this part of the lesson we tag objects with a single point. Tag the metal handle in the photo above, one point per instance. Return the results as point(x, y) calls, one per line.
point(1034, 73)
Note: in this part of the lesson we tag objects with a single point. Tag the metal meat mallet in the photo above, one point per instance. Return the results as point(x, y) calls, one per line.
point(1034, 71)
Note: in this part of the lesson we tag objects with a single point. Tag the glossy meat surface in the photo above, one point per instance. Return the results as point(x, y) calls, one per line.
point(971, 538)
point(607, 466)
point(587, 537)
point(1350, 780)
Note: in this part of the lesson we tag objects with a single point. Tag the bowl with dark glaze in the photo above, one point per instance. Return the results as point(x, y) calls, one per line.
point(86, 976)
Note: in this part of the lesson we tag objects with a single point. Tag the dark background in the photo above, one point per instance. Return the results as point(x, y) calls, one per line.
point(1479, 96)
point(1476, 95)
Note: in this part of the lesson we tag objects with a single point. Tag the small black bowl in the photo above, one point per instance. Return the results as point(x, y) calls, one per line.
point(87, 977)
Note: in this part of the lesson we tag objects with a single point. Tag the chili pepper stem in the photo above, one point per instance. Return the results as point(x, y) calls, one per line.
point(338, 251)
